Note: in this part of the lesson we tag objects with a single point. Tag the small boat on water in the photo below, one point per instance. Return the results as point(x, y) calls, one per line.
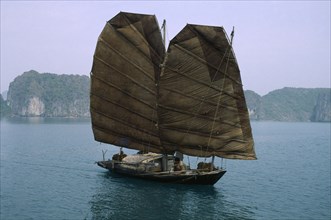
point(149, 166)
point(187, 100)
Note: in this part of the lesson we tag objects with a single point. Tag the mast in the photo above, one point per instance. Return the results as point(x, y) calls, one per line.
point(212, 163)
point(165, 155)
point(163, 27)
point(232, 35)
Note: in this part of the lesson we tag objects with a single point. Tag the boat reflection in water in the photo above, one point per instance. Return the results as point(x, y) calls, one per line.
point(118, 198)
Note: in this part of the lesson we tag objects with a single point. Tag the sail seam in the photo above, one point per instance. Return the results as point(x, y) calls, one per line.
point(201, 37)
point(126, 93)
point(205, 62)
point(142, 37)
point(204, 134)
point(121, 106)
point(202, 100)
point(210, 86)
point(105, 130)
point(124, 123)
point(195, 115)
point(126, 76)
point(200, 82)
point(218, 152)
point(220, 95)
point(127, 59)
point(197, 107)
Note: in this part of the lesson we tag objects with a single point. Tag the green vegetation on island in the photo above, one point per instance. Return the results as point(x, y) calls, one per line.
point(291, 104)
point(4, 108)
point(52, 95)
point(49, 95)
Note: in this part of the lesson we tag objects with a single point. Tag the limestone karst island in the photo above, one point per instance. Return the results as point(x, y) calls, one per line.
point(34, 94)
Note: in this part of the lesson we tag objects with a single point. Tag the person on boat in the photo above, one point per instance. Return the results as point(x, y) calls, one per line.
point(178, 164)
point(119, 156)
point(206, 166)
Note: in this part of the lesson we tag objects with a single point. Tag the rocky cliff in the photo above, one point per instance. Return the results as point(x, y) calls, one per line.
point(291, 104)
point(322, 109)
point(4, 108)
point(49, 95)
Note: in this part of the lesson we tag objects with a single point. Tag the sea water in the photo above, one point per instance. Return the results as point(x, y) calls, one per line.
point(48, 171)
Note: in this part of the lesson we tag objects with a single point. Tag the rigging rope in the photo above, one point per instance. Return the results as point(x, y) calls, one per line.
point(227, 52)
point(222, 86)
point(150, 135)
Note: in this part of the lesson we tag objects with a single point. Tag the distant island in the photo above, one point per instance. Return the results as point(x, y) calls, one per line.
point(34, 94)
point(291, 104)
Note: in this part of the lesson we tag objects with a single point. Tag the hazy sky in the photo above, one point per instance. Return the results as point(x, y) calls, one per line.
point(278, 44)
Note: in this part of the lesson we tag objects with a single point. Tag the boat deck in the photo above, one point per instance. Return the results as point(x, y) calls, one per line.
point(190, 176)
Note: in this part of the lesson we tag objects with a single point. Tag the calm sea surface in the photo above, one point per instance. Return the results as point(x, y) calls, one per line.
point(48, 172)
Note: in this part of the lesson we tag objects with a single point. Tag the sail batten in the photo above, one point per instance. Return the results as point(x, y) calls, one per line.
point(156, 30)
point(210, 65)
point(134, 47)
point(127, 60)
point(204, 98)
point(188, 99)
point(208, 70)
point(200, 151)
point(123, 82)
point(136, 83)
point(112, 137)
point(195, 115)
point(213, 87)
point(149, 30)
point(206, 135)
point(119, 106)
point(201, 100)
point(126, 124)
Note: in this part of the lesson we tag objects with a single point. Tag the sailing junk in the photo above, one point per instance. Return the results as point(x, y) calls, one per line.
point(187, 99)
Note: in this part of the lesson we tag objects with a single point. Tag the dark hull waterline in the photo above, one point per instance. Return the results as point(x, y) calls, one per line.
point(198, 177)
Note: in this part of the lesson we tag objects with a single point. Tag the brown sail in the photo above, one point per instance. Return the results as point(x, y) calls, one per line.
point(125, 71)
point(202, 108)
point(189, 99)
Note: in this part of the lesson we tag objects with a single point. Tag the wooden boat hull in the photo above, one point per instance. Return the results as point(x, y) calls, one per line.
point(198, 177)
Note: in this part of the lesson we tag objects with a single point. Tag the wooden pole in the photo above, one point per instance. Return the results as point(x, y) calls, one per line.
point(164, 33)
point(212, 163)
